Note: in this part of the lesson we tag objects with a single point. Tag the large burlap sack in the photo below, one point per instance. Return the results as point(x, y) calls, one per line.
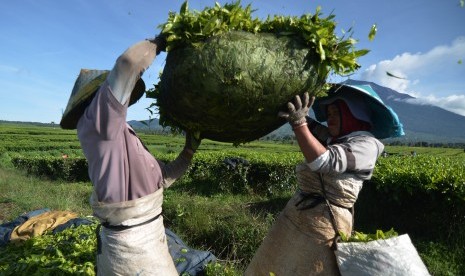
point(142, 250)
point(232, 87)
point(139, 250)
point(393, 256)
point(299, 242)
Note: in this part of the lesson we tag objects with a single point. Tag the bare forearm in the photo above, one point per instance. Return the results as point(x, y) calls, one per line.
point(177, 167)
point(311, 148)
point(129, 67)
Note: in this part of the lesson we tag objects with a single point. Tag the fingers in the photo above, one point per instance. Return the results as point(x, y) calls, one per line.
point(160, 41)
point(283, 115)
point(312, 100)
point(298, 102)
point(296, 108)
point(291, 107)
point(193, 136)
point(305, 99)
point(196, 135)
point(193, 140)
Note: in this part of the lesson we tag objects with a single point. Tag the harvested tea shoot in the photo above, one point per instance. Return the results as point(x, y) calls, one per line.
point(192, 28)
point(227, 75)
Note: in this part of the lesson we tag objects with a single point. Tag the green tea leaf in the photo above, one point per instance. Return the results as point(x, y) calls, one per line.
point(363, 237)
point(372, 33)
point(184, 8)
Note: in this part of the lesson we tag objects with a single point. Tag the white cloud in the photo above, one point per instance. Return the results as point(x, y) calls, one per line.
point(453, 103)
point(16, 71)
point(435, 77)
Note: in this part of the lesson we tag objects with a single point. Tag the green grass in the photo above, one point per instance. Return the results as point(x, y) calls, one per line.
point(230, 226)
point(20, 193)
point(440, 259)
point(443, 152)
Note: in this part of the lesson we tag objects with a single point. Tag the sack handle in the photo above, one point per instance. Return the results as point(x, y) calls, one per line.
point(337, 237)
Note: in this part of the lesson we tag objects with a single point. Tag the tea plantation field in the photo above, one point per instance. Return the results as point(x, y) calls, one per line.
point(227, 200)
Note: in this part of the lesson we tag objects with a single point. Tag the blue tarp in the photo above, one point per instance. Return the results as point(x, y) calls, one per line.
point(7, 228)
point(187, 260)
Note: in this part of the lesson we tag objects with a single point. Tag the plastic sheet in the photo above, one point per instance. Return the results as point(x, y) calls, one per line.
point(394, 256)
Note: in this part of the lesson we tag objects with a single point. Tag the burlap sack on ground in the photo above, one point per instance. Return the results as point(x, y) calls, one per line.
point(394, 256)
point(39, 224)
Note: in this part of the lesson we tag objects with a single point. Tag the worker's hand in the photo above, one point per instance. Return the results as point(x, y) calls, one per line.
point(160, 41)
point(193, 140)
point(298, 110)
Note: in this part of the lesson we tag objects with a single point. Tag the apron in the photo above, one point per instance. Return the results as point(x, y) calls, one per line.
point(300, 240)
point(134, 241)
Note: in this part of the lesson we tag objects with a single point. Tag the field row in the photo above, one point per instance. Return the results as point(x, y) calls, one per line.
point(419, 191)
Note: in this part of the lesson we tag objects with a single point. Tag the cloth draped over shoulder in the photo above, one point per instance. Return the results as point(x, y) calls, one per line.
point(341, 190)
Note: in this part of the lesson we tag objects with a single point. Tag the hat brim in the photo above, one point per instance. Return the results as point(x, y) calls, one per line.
point(86, 86)
point(385, 122)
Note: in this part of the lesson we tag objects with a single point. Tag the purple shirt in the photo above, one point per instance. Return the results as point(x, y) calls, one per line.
point(120, 167)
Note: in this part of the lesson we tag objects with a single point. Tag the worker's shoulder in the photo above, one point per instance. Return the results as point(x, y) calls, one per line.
point(364, 137)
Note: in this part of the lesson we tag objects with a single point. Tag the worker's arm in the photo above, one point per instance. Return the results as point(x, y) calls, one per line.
point(296, 116)
point(130, 66)
point(178, 167)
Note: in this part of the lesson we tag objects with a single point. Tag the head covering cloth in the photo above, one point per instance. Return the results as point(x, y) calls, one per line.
point(365, 105)
point(86, 86)
point(348, 122)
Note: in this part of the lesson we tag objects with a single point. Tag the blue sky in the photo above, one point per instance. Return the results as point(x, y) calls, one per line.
point(45, 43)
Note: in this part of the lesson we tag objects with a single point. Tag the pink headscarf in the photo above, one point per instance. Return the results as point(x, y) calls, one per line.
point(348, 122)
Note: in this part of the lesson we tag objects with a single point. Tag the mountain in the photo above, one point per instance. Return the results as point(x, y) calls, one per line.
point(148, 125)
point(422, 123)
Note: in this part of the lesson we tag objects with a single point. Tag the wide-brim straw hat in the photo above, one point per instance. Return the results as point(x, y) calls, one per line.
point(366, 105)
point(84, 90)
